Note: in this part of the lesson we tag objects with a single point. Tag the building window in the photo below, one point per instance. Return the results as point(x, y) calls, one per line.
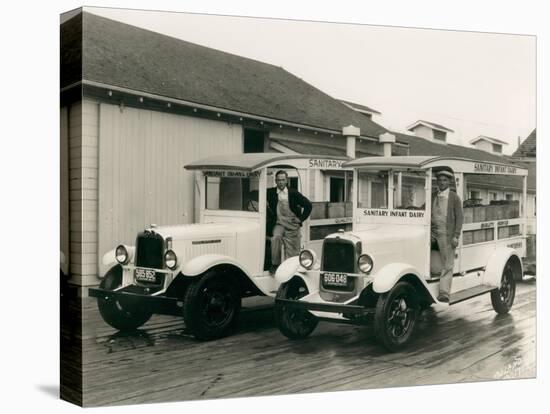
point(509, 196)
point(497, 148)
point(492, 196)
point(254, 140)
point(440, 135)
point(474, 195)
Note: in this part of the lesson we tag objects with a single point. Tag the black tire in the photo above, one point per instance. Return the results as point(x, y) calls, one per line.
point(211, 306)
point(395, 316)
point(120, 314)
point(502, 298)
point(294, 323)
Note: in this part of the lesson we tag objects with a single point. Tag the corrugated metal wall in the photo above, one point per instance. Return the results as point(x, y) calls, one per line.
point(141, 175)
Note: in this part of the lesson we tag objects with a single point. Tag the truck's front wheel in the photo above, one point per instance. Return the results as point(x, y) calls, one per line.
point(211, 306)
point(123, 315)
point(294, 323)
point(396, 315)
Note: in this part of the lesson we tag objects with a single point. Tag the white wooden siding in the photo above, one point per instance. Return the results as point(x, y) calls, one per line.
point(64, 182)
point(82, 191)
point(141, 174)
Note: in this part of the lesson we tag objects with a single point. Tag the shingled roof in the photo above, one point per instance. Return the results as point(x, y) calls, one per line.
point(528, 148)
point(421, 146)
point(121, 55)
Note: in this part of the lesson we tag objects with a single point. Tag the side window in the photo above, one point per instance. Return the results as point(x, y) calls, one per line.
point(373, 190)
point(408, 191)
point(232, 193)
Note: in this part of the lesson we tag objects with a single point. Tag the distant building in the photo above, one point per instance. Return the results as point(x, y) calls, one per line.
point(526, 154)
point(488, 144)
point(527, 150)
point(430, 131)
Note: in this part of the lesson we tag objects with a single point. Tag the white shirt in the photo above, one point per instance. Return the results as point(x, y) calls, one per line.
point(444, 193)
point(283, 194)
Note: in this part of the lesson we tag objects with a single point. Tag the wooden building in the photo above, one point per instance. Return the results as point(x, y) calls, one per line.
point(136, 106)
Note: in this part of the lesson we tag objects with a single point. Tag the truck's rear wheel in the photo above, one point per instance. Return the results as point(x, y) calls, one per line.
point(294, 323)
point(502, 298)
point(395, 316)
point(123, 315)
point(211, 306)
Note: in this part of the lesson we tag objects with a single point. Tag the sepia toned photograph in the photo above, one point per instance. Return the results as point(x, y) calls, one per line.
point(259, 207)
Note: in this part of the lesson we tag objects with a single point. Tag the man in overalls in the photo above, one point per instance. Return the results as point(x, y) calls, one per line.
point(287, 209)
point(445, 230)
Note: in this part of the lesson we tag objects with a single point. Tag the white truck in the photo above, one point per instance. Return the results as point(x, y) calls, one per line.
point(385, 271)
point(202, 271)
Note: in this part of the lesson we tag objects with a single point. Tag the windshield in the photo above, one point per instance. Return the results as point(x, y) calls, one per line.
point(232, 193)
point(402, 190)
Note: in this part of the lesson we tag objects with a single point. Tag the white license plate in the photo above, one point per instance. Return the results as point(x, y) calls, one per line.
point(335, 279)
point(146, 275)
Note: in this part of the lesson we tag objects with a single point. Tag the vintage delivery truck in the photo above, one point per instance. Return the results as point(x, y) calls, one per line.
point(385, 271)
point(202, 271)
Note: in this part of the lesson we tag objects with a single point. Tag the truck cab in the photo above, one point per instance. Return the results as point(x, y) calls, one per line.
point(202, 271)
point(386, 269)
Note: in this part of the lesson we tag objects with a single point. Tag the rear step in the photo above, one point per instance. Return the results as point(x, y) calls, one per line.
point(470, 293)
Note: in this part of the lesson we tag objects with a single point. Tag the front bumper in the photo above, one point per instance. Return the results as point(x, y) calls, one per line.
point(157, 304)
point(325, 310)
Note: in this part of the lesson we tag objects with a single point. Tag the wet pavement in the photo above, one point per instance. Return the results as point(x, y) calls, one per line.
point(161, 362)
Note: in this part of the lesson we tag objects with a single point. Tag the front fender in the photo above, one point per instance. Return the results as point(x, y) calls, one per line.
point(290, 268)
point(389, 275)
point(496, 263)
point(200, 264)
point(109, 260)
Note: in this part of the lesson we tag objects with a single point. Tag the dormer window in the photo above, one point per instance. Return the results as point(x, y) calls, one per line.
point(430, 131)
point(440, 135)
point(488, 144)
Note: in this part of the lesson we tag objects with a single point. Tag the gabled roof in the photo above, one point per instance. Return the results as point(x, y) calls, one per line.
point(429, 125)
point(360, 108)
point(488, 139)
point(140, 60)
point(251, 161)
point(528, 148)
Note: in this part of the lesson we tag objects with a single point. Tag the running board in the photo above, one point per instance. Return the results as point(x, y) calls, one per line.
point(470, 293)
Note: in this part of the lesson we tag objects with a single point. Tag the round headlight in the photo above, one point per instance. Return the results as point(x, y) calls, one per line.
point(121, 254)
point(365, 263)
point(170, 259)
point(307, 259)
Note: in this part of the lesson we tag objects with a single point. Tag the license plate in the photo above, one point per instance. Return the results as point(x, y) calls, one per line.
point(335, 279)
point(146, 275)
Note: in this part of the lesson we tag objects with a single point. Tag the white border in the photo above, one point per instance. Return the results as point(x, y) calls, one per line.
point(30, 193)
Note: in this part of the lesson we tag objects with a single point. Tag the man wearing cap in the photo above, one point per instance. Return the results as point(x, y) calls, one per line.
point(287, 209)
point(446, 227)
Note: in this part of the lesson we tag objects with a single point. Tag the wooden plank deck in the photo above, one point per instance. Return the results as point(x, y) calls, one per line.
point(161, 362)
